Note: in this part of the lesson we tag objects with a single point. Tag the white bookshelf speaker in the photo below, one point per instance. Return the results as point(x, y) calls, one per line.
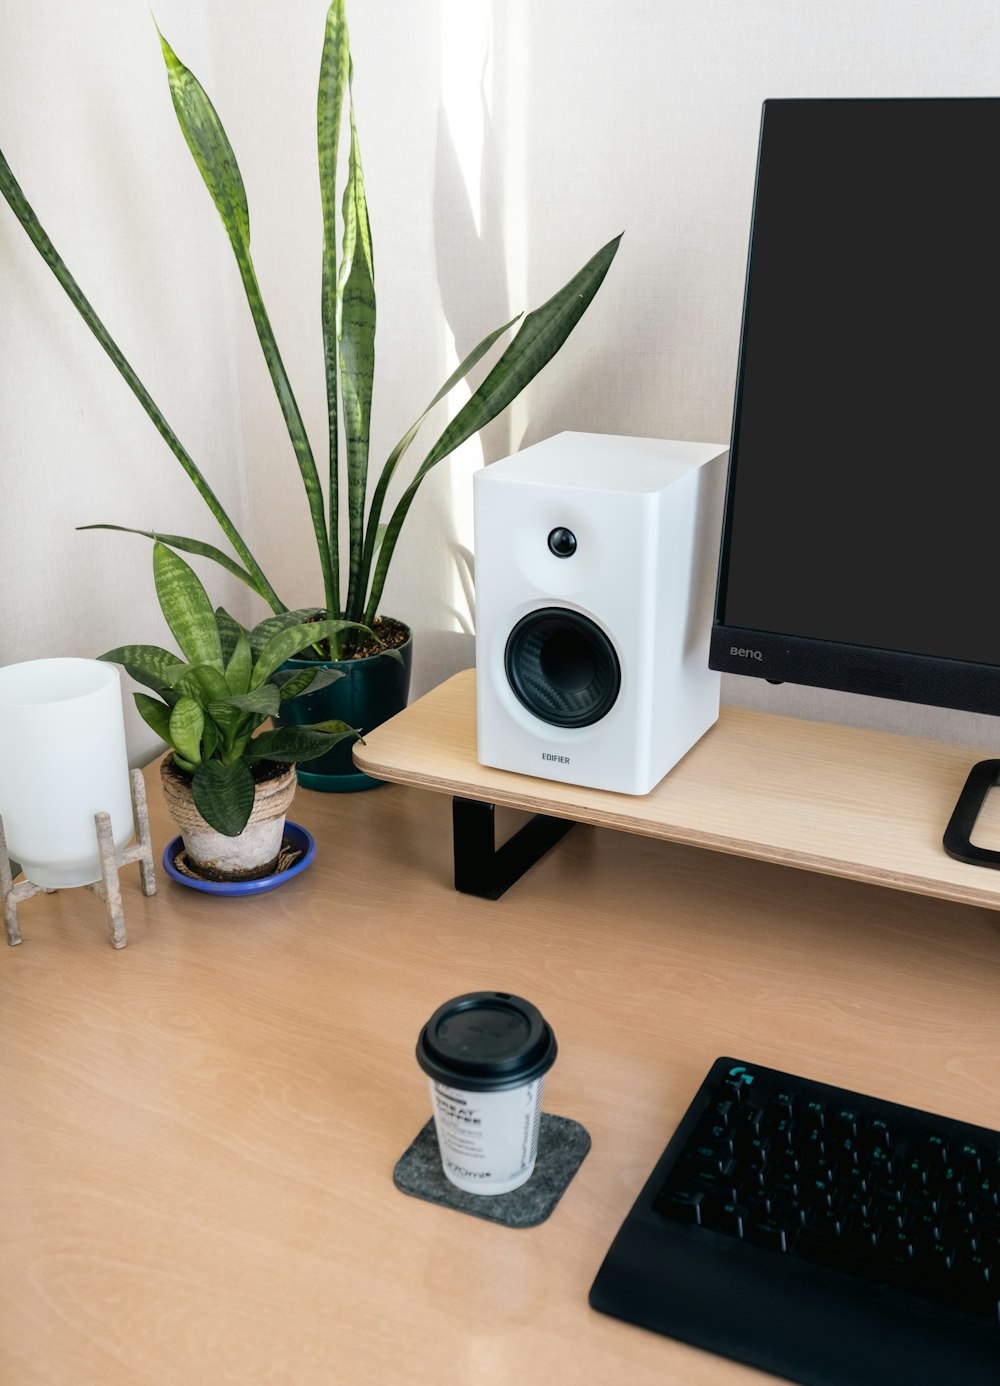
point(596, 563)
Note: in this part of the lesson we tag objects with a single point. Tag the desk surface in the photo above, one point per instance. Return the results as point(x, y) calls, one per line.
point(199, 1131)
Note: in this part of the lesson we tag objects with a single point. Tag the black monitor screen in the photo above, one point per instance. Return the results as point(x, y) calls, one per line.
point(864, 501)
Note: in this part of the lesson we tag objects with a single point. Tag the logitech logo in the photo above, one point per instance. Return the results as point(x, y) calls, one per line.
point(746, 654)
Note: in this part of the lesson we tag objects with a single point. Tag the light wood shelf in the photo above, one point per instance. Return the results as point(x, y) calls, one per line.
point(843, 801)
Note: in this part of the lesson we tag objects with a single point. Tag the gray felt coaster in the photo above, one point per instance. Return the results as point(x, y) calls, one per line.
point(562, 1145)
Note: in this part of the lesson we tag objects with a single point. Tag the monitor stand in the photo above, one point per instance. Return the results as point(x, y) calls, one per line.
point(839, 800)
point(958, 835)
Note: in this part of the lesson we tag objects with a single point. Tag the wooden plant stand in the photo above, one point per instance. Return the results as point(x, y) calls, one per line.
point(107, 888)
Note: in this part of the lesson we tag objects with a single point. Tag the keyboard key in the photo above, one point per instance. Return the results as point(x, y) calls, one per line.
point(683, 1204)
point(770, 1232)
point(724, 1216)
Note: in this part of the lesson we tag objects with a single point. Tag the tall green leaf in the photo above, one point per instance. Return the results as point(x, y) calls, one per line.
point(356, 332)
point(217, 165)
point(186, 608)
point(195, 546)
point(23, 211)
point(541, 335)
point(375, 533)
point(333, 75)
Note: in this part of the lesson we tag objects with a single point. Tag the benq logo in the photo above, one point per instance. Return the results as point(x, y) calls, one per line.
point(746, 654)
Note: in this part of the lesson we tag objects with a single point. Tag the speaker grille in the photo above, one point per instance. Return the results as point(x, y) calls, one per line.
point(562, 667)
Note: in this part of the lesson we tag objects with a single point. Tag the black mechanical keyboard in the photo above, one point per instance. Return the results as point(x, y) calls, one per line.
point(829, 1238)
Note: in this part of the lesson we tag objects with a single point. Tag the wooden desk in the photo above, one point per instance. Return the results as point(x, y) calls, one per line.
point(198, 1132)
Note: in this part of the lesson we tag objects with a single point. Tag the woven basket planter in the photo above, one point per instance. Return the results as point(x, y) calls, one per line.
point(246, 857)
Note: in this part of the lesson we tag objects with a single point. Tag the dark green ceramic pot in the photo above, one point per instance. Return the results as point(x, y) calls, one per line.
point(371, 691)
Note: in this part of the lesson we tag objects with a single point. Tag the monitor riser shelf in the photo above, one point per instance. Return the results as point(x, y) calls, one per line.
point(842, 801)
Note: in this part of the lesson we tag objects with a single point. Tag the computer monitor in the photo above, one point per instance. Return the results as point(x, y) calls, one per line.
point(860, 547)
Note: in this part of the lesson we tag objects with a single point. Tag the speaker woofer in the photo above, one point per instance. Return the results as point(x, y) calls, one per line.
point(562, 667)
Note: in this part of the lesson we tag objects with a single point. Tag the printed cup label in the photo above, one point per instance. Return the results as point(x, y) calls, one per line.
point(487, 1138)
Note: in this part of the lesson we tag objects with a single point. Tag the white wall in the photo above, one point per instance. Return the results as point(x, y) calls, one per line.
point(503, 143)
point(86, 124)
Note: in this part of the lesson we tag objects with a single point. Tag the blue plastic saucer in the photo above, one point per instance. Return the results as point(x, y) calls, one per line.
point(296, 837)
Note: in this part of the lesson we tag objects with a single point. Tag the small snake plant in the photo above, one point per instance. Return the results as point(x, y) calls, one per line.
point(226, 683)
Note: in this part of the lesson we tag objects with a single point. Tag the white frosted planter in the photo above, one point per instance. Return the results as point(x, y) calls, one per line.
point(62, 760)
point(253, 853)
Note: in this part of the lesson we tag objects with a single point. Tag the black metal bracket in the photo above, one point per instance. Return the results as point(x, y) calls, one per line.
point(482, 868)
point(958, 834)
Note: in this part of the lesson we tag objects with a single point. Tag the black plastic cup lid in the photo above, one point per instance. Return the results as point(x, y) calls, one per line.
point(486, 1041)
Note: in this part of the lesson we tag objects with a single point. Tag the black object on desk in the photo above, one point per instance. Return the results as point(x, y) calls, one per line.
point(827, 1237)
point(958, 835)
point(482, 868)
point(562, 1147)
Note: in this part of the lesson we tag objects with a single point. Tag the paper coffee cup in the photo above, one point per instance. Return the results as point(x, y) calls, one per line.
point(486, 1055)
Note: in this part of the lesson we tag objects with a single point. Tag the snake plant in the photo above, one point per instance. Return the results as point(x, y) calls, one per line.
point(348, 320)
point(226, 683)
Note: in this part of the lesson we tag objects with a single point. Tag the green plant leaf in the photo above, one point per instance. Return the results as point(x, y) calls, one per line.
point(200, 681)
point(210, 690)
point(186, 608)
point(287, 643)
point(195, 546)
point(187, 722)
point(356, 335)
point(223, 795)
point(333, 76)
point(210, 147)
point(211, 738)
point(269, 628)
point(264, 700)
point(217, 165)
point(22, 209)
point(290, 744)
point(322, 678)
point(240, 665)
point(147, 664)
point(336, 727)
point(541, 335)
point(376, 531)
point(291, 682)
point(229, 632)
point(294, 682)
point(154, 713)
